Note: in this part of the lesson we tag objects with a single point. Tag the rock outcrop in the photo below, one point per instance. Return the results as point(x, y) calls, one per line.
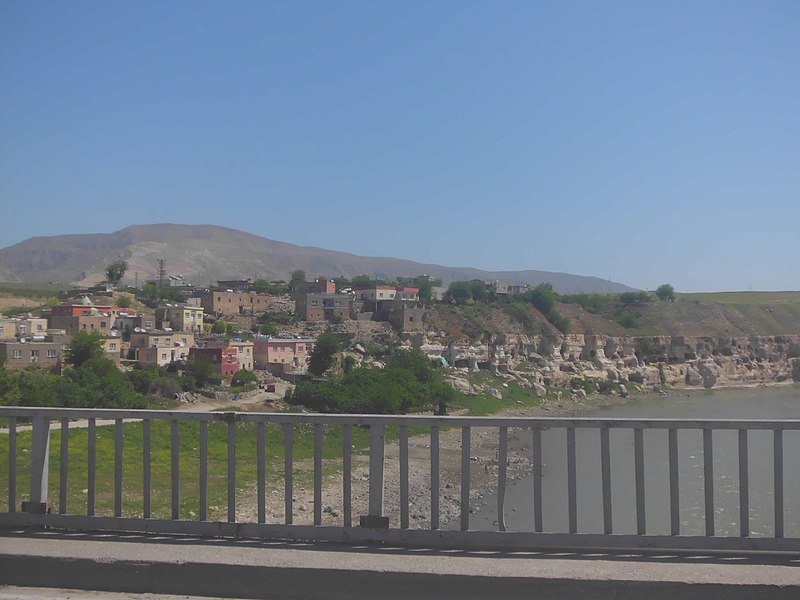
point(675, 361)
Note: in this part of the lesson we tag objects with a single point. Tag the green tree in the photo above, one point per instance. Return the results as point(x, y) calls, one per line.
point(84, 346)
point(116, 270)
point(298, 277)
point(322, 357)
point(426, 285)
point(628, 298)
point(542, 297)
point(628, 320)
point(459, 292)
point(98, 383)
point(123, 302)
point(267, 329)
point(362, 281)
point(342, 283)
point(202, 371)
point(415, 361)
point(666, 292)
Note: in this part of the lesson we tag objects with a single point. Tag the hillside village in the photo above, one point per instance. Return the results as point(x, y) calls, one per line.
point(216, 324)
point(270, 329)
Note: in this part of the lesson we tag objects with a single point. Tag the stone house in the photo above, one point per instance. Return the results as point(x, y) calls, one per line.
point(159, 347)
point(22, 327)
point(243, 348)
point(180, 317)
point(399, 306)
point(224, 360)
point(18, 354)
point(279, 356)
point(231, 304)
point(86, 322)
point(323, 307)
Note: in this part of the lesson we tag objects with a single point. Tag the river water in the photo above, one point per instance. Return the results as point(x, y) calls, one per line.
point(755, 403)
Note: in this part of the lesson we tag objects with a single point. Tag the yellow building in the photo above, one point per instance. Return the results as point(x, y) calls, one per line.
point(185, 317)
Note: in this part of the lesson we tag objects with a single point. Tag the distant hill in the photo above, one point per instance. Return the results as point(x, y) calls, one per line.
point(204, 254)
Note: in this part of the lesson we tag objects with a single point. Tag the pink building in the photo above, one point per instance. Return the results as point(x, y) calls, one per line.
point(281, 355)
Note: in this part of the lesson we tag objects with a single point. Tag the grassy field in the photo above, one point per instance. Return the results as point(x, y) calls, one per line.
point(246, 459)
point(246, 465)
point(740, 298)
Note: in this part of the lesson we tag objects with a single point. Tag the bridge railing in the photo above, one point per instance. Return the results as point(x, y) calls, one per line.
point(133, 509)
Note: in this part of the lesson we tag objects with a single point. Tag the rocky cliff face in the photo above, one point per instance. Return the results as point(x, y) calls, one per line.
point(610, 361)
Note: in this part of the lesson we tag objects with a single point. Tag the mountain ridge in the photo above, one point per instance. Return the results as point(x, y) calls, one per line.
point(204, 254)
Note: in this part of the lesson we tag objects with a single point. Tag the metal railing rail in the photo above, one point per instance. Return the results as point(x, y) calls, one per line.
point(374, 526)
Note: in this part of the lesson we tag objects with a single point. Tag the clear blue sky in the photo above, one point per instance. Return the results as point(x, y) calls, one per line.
point(648, 142)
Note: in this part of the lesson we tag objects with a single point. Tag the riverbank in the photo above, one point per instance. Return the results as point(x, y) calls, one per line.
point(483, 472)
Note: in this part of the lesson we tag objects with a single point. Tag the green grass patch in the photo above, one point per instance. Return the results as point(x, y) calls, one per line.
point(161, 461)
point(486, 404)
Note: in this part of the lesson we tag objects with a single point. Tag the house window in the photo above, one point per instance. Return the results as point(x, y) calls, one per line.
point(103, 324)
point(300, 348)
point(51, 354)
point(2, 331)
point(112, 347)
point(16, 354)
point(38, 328)
point(163, 356)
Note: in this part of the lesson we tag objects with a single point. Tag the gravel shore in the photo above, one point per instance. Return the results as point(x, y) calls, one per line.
point(483, 474)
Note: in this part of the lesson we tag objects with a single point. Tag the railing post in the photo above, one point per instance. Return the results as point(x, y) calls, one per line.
point(375, 518)
point(40, 467)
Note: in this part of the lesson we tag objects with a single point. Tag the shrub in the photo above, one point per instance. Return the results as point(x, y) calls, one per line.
point(628, 320)
point(166, 386)
point(243, 377)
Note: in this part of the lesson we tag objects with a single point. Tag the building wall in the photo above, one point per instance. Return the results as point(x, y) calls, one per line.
point(407, 319)
point(234, 303)
point(176, 338)
point(281, 355)
point(324, 286)
point(8, 329)
point(318, 307)
point(186, 318)
point(243, 349)
point(24, 354)
point(30, 326)
point(160, 356)
point(113, 347)
point(224, 360)
point(74, 324)
point(128, 323)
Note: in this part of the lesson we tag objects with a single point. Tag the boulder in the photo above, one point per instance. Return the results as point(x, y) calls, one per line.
point(796, 370)
point(539, 389)
point(461, 385)
point(693, 377)
point(496, 393)
point(709, 371)
point(636, 376)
